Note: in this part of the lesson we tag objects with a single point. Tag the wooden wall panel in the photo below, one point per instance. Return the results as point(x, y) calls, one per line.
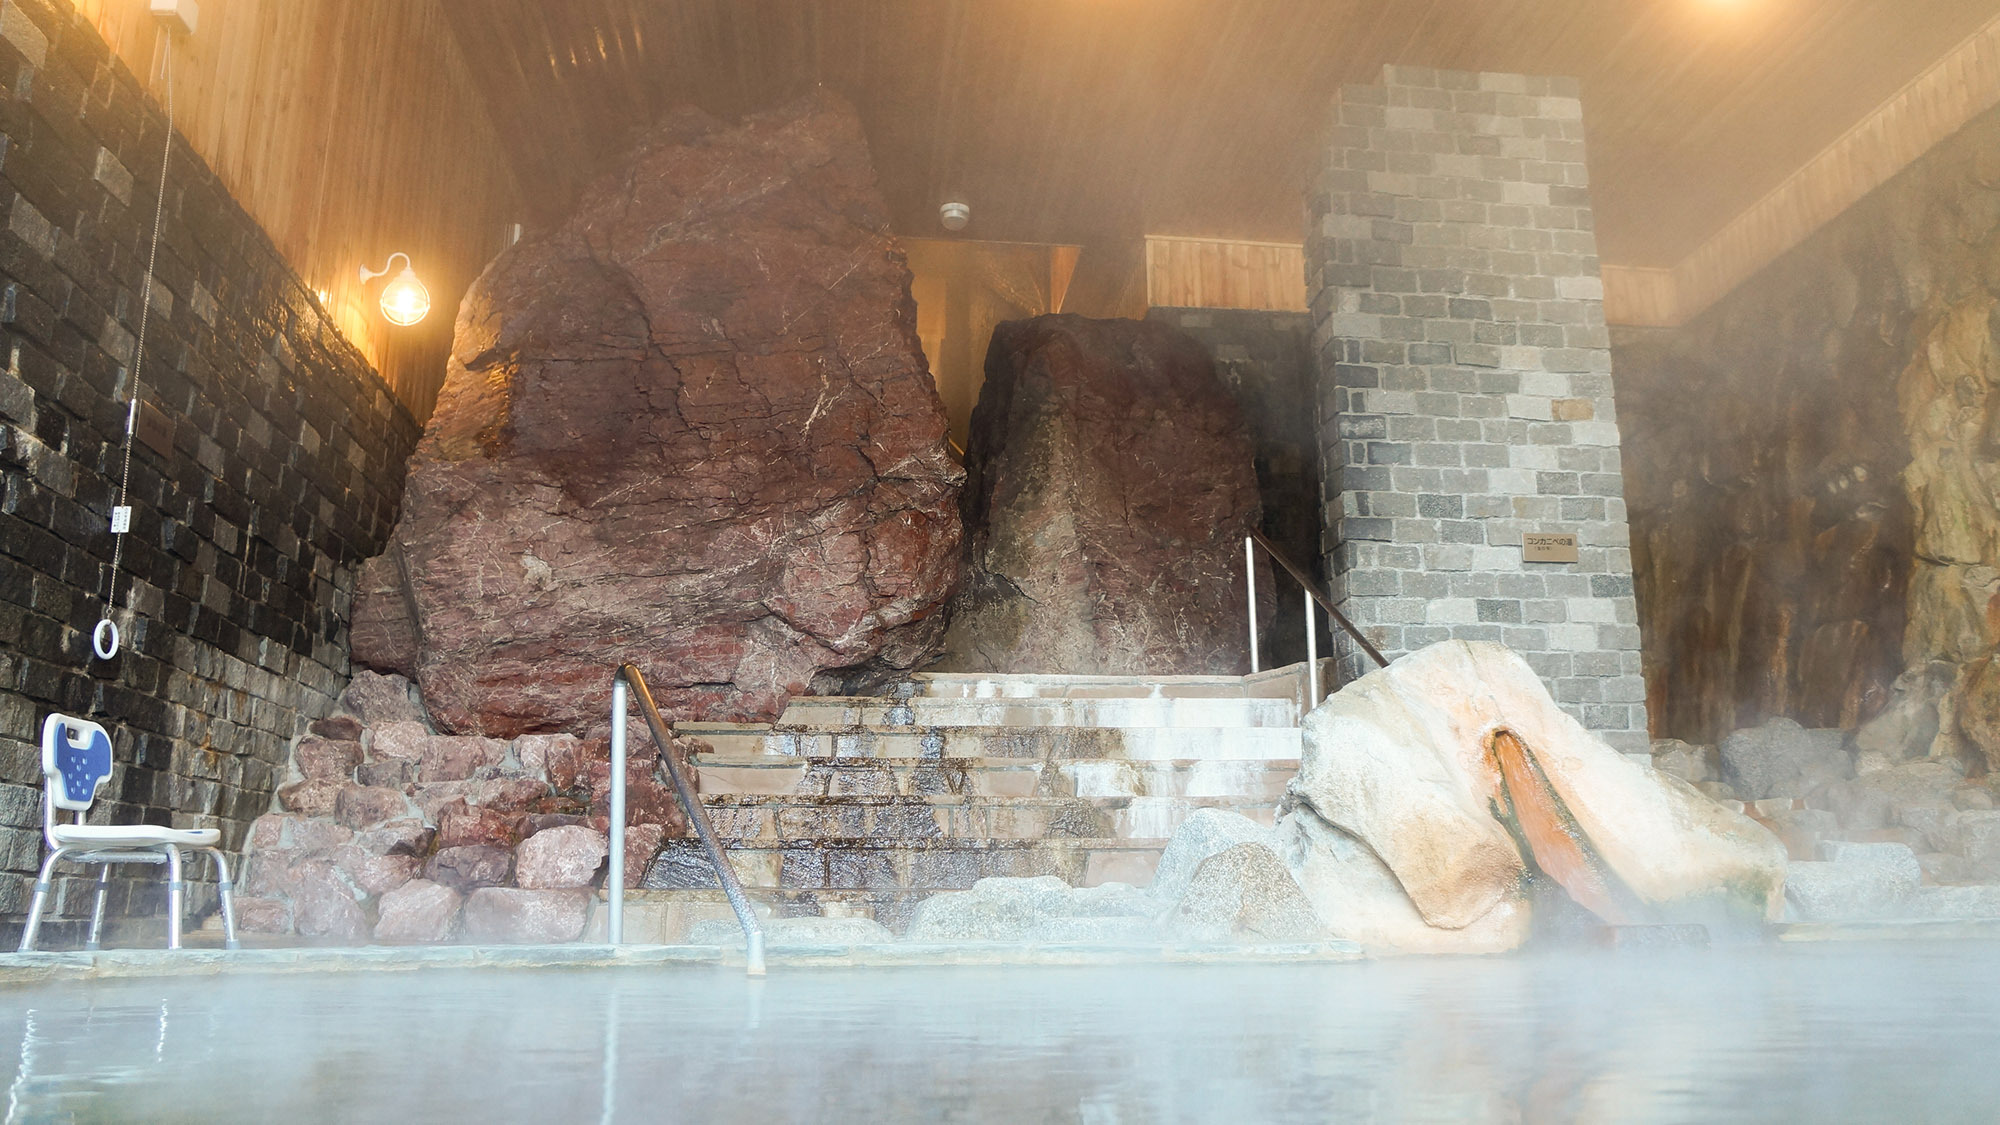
point(1210, 273)
point(349, 129)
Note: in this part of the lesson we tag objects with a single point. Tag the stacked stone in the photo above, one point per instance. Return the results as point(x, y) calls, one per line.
point(1465, 377)
point(394, 833)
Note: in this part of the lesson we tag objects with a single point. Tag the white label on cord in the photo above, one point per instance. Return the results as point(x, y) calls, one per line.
point(121, 520)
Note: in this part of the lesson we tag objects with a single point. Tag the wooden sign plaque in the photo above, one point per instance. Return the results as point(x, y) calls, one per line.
point(1548, 548)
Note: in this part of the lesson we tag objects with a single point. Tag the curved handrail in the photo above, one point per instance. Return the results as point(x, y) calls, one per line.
point(753, 934)
point(1258, 539)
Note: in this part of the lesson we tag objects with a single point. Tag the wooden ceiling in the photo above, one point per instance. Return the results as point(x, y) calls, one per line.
point(1093, 121)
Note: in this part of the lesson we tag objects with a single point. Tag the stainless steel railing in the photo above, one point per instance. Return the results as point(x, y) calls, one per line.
point(1313, 595)
point(630, 682)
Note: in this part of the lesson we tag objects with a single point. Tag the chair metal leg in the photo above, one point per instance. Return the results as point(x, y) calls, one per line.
point(228, 895)
point(34, 924)
point(175, 889)
point(97, 908)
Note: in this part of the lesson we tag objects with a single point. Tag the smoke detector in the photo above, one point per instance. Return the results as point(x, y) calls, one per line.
point(955, 214)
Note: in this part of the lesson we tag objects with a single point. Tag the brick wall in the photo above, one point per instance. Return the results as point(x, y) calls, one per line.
point(1465, 379)
point(271, 460)
point(1265, 358)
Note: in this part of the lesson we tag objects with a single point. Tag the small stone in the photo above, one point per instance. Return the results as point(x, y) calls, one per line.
point(324, 759)
point(513, 915)
point(1684, 760)
point(386, 773)
point(310, 798)
point(1244, 893)
point(375, 874)
point(323, 905)
point(262, 915)
point(1852, 881)
point(1972, 798)
point(1977, 838)
point(431, 799)
point(418, 911)
point(552, 758)
point(507, 794)
point(559, 858)
point(380, 699)
point(642, 843)
point(409, 836)
point(467, 869)
point(399, 740)
point(1783, 759)
point(462, 825)
point(339, 728)
point(539, 822)
point(360, 806)
point(1943, 867)
point(1205, 832)
point(1043, 908)
point(455, 757)
point(289, 830)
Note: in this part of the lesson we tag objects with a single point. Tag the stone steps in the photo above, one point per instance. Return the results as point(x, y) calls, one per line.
point(855, 806)
point(776, 775)
point(999, 740)
point(745, 821)
point(912, 869)
point(835, 712)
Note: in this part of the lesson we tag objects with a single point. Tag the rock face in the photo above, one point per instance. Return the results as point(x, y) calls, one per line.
point(404, 860)
point(1402, 790)
point(1783, 759)
point(1109, 487)
point(691, 428)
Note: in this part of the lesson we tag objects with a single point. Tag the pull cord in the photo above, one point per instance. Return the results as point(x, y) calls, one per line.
point(104, 639)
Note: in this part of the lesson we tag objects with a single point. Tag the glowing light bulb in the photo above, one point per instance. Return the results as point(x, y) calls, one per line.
point(405, 301)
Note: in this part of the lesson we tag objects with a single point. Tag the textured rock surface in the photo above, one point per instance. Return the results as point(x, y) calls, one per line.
point(1402, 762)
point(1205, 832)
point(512, 915)
point(1243, 893)
point(1043, 908)
point(1109, 487)
point(560, 857)
point(1852, 881)
point(1783, 759)
point(418, 911)
point(692, 428)
point(406, 850)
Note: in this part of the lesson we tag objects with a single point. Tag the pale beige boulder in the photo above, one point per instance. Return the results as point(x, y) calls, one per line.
point(1398, 764)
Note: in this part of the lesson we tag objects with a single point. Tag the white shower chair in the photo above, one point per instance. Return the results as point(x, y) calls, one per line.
point(76, 761)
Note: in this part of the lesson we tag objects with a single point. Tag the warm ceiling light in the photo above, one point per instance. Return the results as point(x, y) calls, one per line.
point(405, 301)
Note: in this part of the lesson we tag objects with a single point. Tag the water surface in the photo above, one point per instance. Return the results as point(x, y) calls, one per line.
point(1801, 1033)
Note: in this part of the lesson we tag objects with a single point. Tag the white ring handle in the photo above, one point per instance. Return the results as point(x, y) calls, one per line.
point(105, 647)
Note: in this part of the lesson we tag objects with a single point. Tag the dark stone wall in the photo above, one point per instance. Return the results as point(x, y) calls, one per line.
point(270, 460)
point(1265, 359)
point(1779, 543)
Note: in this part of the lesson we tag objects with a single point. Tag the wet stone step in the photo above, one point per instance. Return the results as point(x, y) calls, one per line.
point(746, 820)
point(830, 712)
point(999, 741)
point(936, 865)
point(1287, 682)
point(737, 773)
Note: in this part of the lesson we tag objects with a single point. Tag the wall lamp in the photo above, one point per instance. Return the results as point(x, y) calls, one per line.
point(405, 301)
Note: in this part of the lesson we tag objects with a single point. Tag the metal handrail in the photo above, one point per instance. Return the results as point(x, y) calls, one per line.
point(753, 934)
point(1258, 539)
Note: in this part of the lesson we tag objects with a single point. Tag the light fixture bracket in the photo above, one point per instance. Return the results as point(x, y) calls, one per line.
point(176, 15)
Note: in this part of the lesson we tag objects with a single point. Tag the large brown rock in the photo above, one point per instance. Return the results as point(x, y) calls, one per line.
point(691, 428)
point(1110, 484)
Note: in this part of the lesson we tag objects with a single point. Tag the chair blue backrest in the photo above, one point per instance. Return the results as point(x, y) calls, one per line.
point(76, 760)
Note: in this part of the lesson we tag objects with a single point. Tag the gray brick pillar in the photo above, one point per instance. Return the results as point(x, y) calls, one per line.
point(1465, 394)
